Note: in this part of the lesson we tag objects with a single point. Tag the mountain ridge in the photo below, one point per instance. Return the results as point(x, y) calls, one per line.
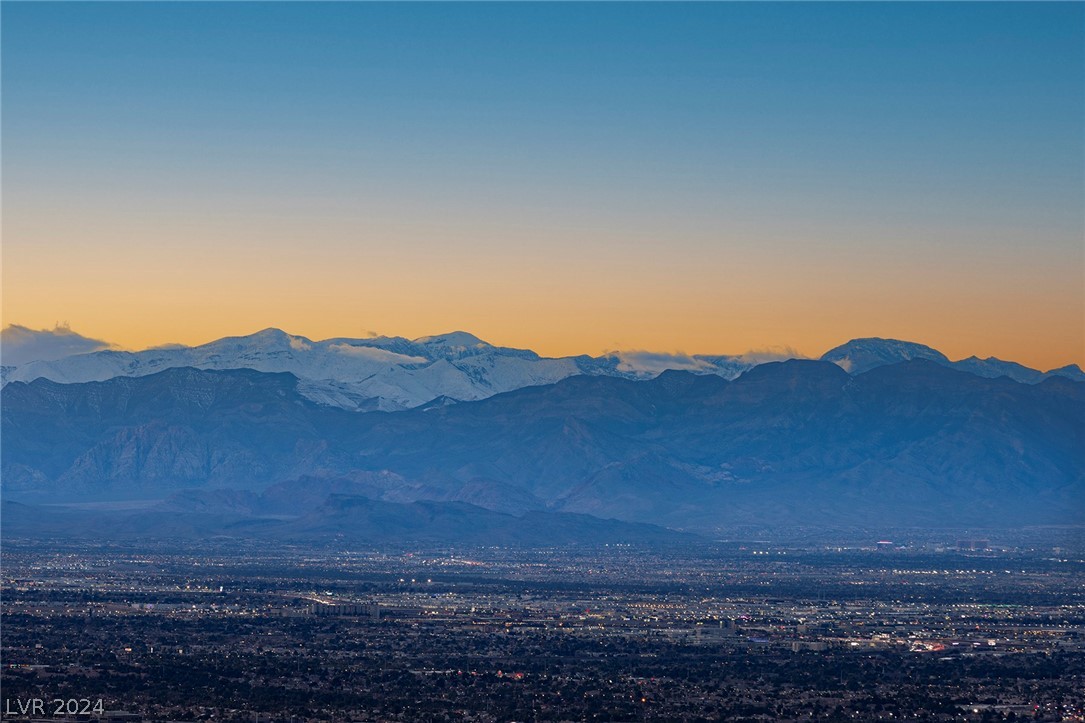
point(395, 373)
point(339, 517)
point(787, 441)
point(386, 373)
point(863, 354)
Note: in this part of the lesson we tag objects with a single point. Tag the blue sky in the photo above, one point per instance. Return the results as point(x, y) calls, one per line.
point(665, 149)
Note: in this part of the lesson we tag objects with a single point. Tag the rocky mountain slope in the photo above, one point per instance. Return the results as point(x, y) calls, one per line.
point(798, 442)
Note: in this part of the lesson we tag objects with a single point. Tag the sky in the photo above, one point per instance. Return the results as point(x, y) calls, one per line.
point(571, 178)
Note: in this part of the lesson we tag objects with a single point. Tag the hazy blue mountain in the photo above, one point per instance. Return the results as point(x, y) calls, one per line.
point(338, 517)
point(792, 443)
point(138, 435)
point(1070, 371)
point(362, 519)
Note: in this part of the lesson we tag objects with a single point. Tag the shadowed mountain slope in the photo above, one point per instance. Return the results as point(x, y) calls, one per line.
point(796, 442)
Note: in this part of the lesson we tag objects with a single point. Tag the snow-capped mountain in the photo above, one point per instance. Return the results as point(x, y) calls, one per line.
point(992, 367)
point(385, 373)
point(395, 373)
point(860, 355)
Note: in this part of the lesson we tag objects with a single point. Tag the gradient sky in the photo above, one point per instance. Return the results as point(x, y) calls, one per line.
point(565, 177)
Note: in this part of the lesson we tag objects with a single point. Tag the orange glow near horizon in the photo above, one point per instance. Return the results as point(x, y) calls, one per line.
point(571, 178)
point(554, 297)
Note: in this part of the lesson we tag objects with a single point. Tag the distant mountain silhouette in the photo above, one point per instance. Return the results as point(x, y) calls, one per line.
point(790, 443)
point(338, 517)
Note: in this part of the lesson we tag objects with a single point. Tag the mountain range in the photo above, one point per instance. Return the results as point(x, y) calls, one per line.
point(800, 442)
point(385, 373)
point(338, 518)
point(394, 373)
point(860, 355)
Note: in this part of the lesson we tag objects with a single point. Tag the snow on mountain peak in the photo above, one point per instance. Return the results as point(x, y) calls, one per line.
point(263, 340)
point(270, 336)
point(860, 355)
point(394, 373)
point(455, 338)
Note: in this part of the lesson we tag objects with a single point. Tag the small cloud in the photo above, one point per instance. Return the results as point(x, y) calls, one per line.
point(299, 344)
point(20, 344)
point(771, 354)
point(376, 354)
point(638, 361)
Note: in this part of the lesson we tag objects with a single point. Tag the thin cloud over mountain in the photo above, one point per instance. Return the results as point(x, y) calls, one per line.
point(21, 344)
point(375, 354)
point(641, 361)
point(776, 352)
